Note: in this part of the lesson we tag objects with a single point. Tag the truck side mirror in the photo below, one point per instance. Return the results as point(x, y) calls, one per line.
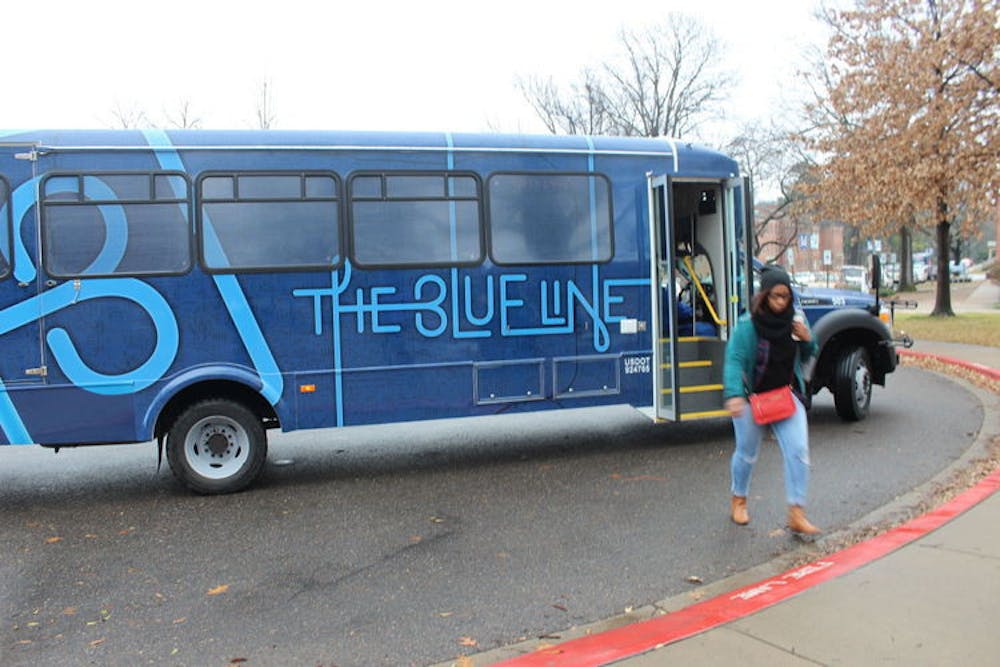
point(876, 273)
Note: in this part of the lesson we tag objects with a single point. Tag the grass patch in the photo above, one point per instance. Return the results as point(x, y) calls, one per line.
point(971, 328)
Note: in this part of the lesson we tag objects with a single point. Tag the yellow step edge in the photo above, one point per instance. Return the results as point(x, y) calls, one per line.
point(690, 364)
point(689, 339)
point(694, 389)
point(685, 416)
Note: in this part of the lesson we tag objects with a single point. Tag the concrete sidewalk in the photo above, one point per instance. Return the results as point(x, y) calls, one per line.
point(932, 602)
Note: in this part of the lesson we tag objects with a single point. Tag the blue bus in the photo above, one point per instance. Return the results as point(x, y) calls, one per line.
point(198, 288)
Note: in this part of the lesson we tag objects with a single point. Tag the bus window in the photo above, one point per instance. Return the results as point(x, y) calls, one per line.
point(550, 218)
point(255, 221)
point(112, 224)
point(420, 219)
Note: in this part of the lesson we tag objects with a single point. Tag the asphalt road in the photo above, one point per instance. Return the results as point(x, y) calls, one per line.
point(413, 544)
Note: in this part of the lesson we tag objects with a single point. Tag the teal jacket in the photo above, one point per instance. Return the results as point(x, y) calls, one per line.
point(741, 360)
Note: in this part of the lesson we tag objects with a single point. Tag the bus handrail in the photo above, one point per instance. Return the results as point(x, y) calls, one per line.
point(701, 291)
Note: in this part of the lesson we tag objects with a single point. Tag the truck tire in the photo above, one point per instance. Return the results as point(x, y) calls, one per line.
point(216, 446)
point(852, 384)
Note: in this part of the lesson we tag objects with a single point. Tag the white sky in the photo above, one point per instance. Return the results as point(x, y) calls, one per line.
point(367, 64)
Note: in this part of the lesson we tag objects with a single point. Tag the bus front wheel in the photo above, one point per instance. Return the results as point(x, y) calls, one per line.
point(852, 393)
point(216, 446)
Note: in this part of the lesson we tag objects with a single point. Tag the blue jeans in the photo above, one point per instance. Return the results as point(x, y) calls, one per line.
point(793, 438)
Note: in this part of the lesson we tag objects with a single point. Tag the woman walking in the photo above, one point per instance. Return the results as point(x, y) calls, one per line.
point(766, 352)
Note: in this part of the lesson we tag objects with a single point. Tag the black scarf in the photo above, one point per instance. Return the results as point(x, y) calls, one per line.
point(776, 329)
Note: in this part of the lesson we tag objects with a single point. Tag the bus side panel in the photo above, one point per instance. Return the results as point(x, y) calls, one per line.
point(67, 415)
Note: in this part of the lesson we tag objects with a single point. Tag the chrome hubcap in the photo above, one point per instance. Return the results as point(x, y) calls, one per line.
point(216, 447)
point(862, 384)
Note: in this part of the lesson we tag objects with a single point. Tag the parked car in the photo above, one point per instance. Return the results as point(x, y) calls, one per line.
point(805, 277)
point(959, 272)
point(890, 276)
point(855, 277)
point(921, 272)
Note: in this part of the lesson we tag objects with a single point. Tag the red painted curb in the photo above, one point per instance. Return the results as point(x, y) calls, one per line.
point(637, 638)
point(991, 373)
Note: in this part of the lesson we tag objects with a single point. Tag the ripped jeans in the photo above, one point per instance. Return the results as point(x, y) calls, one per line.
point(793, 439)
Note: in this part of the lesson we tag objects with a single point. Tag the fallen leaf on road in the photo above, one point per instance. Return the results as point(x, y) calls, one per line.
point(693, 579)
point(445, 614)
point(236, 661)
point(218, 590)
point(98, 642)
point(53, 540)
point(69, 611)
point(560, 607)
point(178, 621)
point(777, 532)
point(467, 641)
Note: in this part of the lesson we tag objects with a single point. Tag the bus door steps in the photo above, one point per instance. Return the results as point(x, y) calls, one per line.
point(699, 377)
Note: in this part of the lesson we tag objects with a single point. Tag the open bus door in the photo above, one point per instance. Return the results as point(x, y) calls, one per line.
point(739, 240)
point(696, 274)
point(664, 324)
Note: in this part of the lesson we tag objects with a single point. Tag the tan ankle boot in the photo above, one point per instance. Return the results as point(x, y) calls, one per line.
point(739, 511)
point(798, 523)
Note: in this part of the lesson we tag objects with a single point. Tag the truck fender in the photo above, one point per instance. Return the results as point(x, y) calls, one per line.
point(849, 327)
point(225, 372)
point(837, 321)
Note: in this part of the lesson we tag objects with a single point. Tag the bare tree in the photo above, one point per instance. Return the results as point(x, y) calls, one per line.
point(265, 114)
point(581, 111)
point(183, 118)
point(129, 117)
point(665, 81)
point(773, 160)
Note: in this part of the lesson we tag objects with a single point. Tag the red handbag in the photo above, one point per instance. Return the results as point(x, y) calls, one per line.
point(772, 406)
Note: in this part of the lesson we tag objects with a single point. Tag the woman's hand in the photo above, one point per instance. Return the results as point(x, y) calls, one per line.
point(801, 332)
point(736, 405)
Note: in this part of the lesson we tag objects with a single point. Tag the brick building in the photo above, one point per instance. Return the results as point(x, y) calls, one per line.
point(806, 242)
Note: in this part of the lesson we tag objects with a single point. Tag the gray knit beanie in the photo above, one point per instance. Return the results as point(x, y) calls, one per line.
point(774, 275)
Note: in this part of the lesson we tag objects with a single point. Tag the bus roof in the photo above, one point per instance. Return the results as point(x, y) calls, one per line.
point(695, 159)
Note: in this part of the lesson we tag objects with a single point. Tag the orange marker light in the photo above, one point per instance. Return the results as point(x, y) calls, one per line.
point(307, 388)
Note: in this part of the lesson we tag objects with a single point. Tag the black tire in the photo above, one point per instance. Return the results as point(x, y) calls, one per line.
point(852, 384)
point(216, 446)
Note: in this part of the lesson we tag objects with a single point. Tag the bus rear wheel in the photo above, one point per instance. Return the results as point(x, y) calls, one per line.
point(216, 446)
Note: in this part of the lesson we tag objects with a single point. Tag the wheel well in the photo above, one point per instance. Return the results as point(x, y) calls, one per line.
point(847, 339)
point(233, 391)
